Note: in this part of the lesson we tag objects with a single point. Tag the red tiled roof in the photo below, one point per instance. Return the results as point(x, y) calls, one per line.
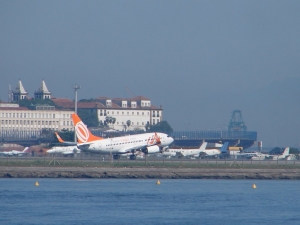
point(139, 98)
point(14, 108)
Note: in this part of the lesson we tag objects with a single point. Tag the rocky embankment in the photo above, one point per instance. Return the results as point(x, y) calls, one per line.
point(144, 173)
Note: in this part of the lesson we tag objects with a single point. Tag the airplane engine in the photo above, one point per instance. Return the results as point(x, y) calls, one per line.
point(152, 149)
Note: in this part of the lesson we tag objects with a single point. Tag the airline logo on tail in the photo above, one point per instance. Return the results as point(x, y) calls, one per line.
point(59, 138)
point(26, 149)
point(82, 132)
point(224, 147)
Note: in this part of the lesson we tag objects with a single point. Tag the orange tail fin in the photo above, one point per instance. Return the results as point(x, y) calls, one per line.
point(82, 132)
point(59, 138)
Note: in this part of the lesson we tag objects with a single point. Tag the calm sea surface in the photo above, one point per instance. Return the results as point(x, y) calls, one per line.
point(127, 201)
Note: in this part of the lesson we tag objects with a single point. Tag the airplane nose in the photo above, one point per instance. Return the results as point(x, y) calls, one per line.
point(171, 139)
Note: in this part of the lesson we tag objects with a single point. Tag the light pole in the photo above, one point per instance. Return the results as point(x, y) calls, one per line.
point(76, 87)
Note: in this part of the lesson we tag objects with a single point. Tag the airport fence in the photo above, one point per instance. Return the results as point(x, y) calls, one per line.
point(100, 161)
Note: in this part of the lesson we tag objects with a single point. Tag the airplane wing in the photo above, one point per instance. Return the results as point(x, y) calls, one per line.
point(132, 148)
point(70, 152)
point(202, 154)
point(180, 154)
point(6, 153)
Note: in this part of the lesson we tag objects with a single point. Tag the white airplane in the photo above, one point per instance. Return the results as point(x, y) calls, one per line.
point(64, 150)
point(189, 152)
point(202, 151)
point(291, 157)
point(215, 151)
point(285, 154)
point(261, 156)
point(147, 143)
point(15, 152)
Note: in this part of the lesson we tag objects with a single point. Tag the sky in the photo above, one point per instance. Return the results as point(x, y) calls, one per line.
point(199, 60)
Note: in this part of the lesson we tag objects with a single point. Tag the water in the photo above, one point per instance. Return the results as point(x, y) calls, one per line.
point(124, 201)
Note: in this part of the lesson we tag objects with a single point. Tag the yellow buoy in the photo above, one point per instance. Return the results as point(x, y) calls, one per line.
point(253, 185)
point(36, 184)
point(158, 182)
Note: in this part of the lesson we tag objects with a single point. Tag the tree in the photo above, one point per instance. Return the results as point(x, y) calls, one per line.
point(109, 120)
point(66, 135)
point(101, 124)
point(162, 126)
point(147, 127)
point(276, 151)
point(47, 135)
point(294, 151)
point(88, 117)
point(88, 100)
point(128, 123)
point(32, 102)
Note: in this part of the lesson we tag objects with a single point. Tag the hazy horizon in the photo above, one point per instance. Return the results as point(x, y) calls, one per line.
point(200, 60)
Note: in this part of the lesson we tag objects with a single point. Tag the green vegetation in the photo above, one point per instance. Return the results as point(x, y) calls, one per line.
point(88, 100)
point(278, 151)
point(89, 117)
point(28, 103)
point(109, 120)
point(162, 126)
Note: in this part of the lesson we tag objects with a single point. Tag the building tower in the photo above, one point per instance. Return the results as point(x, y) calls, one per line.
point(42, 92)
point(236, 123)
point(19, 93)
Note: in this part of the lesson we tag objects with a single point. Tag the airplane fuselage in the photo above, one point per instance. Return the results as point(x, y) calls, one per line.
point(126, 144)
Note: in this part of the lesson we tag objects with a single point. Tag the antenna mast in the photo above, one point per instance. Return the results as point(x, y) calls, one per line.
point(76, 87)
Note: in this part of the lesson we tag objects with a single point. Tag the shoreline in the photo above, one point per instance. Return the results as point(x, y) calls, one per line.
point(147, 173)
